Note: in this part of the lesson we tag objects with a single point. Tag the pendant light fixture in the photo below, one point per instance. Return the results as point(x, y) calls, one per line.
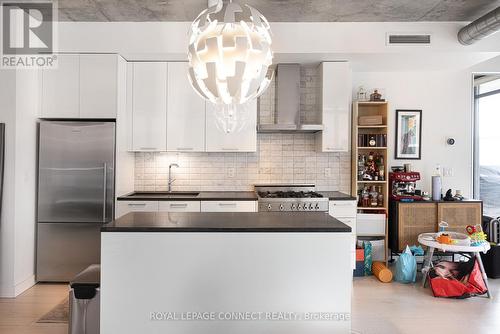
point(229, 57)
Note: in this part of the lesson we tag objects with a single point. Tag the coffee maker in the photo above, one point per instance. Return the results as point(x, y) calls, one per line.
point(403, 185)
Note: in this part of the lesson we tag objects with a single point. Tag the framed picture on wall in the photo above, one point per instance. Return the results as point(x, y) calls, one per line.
point(408, 134)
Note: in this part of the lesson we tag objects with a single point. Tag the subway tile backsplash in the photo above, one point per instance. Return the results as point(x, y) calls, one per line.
point(280, 158)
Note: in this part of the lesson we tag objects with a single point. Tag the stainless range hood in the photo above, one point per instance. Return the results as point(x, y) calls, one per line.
point(287, 110)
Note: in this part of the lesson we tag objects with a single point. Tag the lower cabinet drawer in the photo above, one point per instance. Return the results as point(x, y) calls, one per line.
point(124, 207)
point(229, 206)
point(342, 208)
point(178, 206)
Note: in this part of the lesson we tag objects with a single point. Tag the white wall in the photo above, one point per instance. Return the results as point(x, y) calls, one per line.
point(7, 219)
point(27, 102)
point(445, 100)
point(18, 110)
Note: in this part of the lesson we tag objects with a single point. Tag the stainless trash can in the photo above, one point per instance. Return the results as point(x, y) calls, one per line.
point(84, 299)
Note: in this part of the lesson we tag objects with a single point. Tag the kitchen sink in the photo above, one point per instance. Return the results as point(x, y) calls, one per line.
point(173, 194)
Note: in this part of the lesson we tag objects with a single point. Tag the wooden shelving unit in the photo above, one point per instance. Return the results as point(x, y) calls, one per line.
point(371, 109)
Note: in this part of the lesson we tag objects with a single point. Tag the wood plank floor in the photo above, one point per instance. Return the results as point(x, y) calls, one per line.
point(377, 308)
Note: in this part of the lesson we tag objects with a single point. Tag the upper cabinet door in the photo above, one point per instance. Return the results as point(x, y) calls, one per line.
point(149, 106)
point(60, 88)
point(98, 86)
point(335, 107)
point(244, 140)
point(185, 112)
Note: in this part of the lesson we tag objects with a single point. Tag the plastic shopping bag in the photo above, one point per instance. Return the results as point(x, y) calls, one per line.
point(406, 267)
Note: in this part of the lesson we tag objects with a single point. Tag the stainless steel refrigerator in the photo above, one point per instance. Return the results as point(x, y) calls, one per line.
point(76, 173)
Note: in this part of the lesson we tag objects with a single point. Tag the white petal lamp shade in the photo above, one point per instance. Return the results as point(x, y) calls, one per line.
point(231, 117)
point(230, 53)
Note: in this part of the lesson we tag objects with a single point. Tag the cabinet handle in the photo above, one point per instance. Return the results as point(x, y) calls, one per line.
point(184, 148)
point(180, 205)
point(227, 204)
point(230, 149)
point(136, 204)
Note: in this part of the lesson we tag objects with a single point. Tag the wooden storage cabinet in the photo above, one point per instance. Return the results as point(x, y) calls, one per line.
point(420, 218)
point(455, 214)
point(408, 220)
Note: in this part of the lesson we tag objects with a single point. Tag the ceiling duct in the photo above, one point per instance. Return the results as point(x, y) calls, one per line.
point(481, 28)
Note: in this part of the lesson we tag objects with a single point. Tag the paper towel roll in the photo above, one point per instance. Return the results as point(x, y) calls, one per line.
point(436, 188)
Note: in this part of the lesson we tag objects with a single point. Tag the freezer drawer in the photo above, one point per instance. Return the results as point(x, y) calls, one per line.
point(65, 249)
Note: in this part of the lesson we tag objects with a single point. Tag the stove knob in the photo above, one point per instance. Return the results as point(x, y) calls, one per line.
point(317, 206)
point(294, 207)
point(269, 207)
point(299, 207)
point(282, 207)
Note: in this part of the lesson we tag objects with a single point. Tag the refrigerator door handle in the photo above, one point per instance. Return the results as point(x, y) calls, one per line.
point(105, 192)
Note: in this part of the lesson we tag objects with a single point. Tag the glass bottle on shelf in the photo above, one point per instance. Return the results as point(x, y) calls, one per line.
point(365, 197)
point(380, 198)
point(374, 197)
point(361, 166)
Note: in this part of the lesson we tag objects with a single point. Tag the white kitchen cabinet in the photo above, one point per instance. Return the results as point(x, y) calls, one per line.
point(244, 140)
point(60, 88)
point(179, 206)
point(185, 112)
point(346, 212)
point(82, 86)
point(335, 107)
point(229, 206)
point(98, 85)
point(124, 207)
point(148, 92)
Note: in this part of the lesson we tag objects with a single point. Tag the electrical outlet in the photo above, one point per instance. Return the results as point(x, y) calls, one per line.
point(230, 172)
point(328, 172)
point(448, 172)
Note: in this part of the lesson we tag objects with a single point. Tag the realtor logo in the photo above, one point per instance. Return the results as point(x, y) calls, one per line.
point(27, 34)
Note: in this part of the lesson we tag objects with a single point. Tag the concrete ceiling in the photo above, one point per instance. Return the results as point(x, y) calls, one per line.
point(281, 10)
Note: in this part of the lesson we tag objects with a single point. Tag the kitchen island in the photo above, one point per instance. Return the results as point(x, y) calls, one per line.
point(219, 273)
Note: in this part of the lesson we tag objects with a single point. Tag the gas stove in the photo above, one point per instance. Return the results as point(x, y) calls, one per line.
point(286, 198)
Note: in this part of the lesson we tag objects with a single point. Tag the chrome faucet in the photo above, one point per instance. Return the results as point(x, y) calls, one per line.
point(170, 180)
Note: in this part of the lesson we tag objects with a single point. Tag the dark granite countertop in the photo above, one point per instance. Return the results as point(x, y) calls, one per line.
point(190, 196)
point(226, 222)
point(214, 196)
point(337, 196)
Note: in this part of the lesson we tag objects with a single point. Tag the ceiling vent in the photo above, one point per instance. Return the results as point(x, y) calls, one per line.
point(408, 39)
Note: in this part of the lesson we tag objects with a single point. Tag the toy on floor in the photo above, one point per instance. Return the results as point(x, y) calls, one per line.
point(380, 271)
